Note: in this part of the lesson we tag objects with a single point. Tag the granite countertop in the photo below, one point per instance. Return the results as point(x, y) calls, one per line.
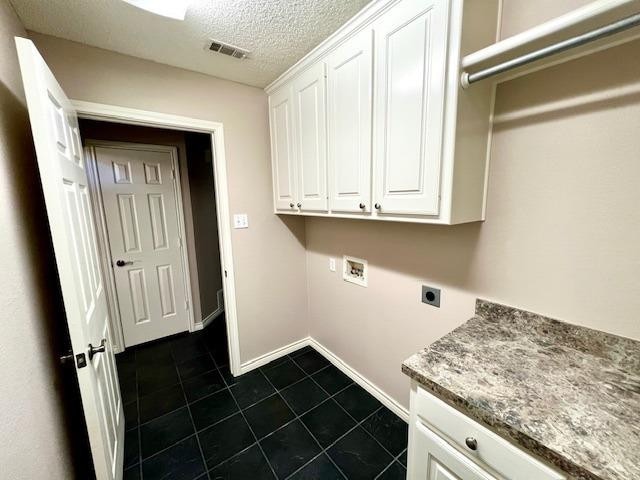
point(570, 395)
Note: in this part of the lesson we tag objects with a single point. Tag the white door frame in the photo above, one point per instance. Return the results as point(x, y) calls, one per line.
point(117, 114)
point(103, 237)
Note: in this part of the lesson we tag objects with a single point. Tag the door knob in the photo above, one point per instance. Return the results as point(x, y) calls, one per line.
point(378, 206)
point(299, 205)
point(292, 204)
point(472, 443)
point(99, 349)
point(122, 263)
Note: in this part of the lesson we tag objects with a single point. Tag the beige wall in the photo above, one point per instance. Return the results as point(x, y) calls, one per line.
point(269, 255)
point(562, 233)
point(32, 423)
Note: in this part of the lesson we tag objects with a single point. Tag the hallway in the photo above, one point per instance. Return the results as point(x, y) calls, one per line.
point(297, 417)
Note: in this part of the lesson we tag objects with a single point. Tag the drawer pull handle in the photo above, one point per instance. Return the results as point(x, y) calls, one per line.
point(472, 443)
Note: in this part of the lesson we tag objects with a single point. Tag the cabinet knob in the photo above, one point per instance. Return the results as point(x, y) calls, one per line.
point(292, 205)
point(299, 205)
point(378, 206)
point(362, 205)
point(472, 443)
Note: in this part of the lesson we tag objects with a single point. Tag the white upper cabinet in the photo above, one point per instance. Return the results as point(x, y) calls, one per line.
point(309, 101)
point(411, 46)
point(382, 128)
point(282, 150)
point(349, 80)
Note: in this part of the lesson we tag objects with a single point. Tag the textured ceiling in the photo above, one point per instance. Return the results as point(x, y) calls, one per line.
point(277, 32)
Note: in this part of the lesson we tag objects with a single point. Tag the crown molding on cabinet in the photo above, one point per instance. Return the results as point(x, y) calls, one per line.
point(361, 19)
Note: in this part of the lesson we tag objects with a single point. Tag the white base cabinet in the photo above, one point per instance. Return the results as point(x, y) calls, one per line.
point(373, 123)
point(444, 444)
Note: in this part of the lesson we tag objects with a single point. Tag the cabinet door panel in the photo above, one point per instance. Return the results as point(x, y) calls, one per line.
point(411, 59)
point(310, 108)
point(432, 458)
point(349, 75)
point(282, 151)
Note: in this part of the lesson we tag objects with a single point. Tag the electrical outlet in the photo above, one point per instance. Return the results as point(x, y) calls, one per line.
point(332, 264)
point(431, 296)
point(240, 220)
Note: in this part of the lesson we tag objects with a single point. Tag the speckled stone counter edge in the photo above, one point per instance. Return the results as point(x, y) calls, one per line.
point(585, 338)
point(572, 471)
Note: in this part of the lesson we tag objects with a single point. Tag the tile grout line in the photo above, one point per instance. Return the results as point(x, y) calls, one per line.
point(169, 447)
point(349, 414)
point(224, 387)
point(297, 417)
point(352, 417)
point(396, 459)
point(264, 455)
point(325, 450)
point(303, 424)
point(193, 423)
point(368, 416)
point(226, 418)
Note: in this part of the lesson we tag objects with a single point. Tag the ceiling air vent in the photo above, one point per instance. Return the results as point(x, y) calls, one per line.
point(227, 49)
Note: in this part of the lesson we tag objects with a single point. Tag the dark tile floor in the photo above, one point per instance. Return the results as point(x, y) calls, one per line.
point(298, 417)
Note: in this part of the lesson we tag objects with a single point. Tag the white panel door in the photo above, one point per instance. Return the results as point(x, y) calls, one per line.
point(140, 198)
point(311, 139)
point(283, 158)
point(411, 42)
point(350, 101)
point(64, 183)
point(432, 458)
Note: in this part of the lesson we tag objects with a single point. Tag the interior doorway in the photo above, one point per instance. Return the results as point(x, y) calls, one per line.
point(153, 151)
point(154, 196)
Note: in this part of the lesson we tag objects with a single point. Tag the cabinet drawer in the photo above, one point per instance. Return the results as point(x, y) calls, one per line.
point(492, 451)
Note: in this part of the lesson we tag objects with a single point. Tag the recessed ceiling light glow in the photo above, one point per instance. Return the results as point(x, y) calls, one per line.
point(176, 9)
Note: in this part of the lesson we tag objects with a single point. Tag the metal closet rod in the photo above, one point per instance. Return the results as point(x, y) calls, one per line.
point(616, 27)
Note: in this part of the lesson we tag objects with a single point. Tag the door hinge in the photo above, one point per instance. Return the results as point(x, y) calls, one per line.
point(180, 242)
point(173, 173)
point(225, 274)
point(186, 304)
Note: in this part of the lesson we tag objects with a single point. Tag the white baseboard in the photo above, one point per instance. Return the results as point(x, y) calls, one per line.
point(357, 377)
point(213, 315)
point(273, 355)
point(361, 380)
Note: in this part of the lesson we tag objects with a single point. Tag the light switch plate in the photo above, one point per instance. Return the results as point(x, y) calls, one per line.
point(240, 220)
point(332, 264)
